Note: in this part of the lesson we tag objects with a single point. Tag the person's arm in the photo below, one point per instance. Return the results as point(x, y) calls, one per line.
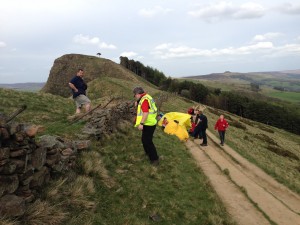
point(72, 86)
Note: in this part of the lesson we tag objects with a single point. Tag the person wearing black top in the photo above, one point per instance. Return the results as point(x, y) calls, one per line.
point(79, 87)
point(203, 125)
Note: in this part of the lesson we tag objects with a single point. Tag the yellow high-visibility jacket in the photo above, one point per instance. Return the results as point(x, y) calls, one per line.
point(151, 119)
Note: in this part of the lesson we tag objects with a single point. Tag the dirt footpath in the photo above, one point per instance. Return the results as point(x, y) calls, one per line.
point(276, 201)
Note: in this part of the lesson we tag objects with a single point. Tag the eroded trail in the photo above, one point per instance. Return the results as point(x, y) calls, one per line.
point(279, 203)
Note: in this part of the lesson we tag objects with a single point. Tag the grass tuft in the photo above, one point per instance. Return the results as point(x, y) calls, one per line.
point(7, 221)
point(267, 129)
point(266, 139)
point(226, 172)
point(92, 164)
point(41, 212)
point(238, 125)
point(282, 152)
point(248, 122)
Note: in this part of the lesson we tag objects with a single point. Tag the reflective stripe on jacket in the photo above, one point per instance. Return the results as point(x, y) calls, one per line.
point(151, 119)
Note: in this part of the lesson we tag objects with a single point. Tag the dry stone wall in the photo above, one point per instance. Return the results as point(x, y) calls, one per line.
point(105, 121)
point(26, 164)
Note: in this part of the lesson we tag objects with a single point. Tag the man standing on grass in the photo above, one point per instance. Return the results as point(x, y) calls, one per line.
point(79, 87)
point(146, 122)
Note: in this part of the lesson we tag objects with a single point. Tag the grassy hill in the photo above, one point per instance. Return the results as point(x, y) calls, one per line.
point(114, 184)
point(269, 83)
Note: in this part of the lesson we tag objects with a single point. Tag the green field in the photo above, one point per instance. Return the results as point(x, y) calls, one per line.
point(244, 86)
point(286, 96)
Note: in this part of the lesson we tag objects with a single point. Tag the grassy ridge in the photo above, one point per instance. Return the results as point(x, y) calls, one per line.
point(115, 184)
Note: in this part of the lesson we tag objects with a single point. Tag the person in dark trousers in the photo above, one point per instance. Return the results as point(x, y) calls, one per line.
point(79, 87)
point(146, 122)
point(203, 125)
point(221, 125)
point(197, 130)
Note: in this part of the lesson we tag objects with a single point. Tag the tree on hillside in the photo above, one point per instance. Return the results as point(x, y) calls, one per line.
point(98, 54)
point(254, 87)
point(150, 74)
point(198, 92)
point(124, 62)
point(217, 91)
point(166, 84)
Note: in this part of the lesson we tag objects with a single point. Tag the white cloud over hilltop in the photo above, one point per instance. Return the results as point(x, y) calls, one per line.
point(174, 36)
point(267, 36)
point(87, 40)
point(262, 48)
point(227, 10)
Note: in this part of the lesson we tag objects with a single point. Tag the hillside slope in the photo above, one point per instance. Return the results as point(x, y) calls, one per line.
point(272, 149)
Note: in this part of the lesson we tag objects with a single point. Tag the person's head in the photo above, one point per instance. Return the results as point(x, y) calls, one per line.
point(221, 117)
point(191, 111)
point(80, 72)
point(137, 92)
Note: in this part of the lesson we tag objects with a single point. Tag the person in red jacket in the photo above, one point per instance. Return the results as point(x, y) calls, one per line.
point(221, 126)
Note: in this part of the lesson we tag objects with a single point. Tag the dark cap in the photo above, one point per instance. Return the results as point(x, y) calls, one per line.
point(138, 90)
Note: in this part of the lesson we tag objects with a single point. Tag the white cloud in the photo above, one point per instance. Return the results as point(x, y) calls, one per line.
point(253, 48)
point(228, 10)
point(289, 8)
point(87, 40)
point(153, 11)
point(249, 10)
point(2, 44)
point(163, 46)
point(290, 48)
point(264, 48)
point(132, 55)
point(267, 36)
point(128, 54)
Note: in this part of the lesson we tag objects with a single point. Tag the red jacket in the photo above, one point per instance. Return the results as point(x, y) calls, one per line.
point(221, 125)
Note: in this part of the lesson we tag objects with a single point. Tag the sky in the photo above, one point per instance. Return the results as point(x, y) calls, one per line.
point(179, 38)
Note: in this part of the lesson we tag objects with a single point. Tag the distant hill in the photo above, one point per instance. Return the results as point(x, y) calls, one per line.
point(284, 80)
point(32, 87)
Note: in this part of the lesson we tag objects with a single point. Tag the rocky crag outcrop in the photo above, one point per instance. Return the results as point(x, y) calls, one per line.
point(66, 66)
point(27, 164)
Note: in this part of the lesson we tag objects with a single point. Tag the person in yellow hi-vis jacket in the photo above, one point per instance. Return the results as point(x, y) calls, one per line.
point(146, 122)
